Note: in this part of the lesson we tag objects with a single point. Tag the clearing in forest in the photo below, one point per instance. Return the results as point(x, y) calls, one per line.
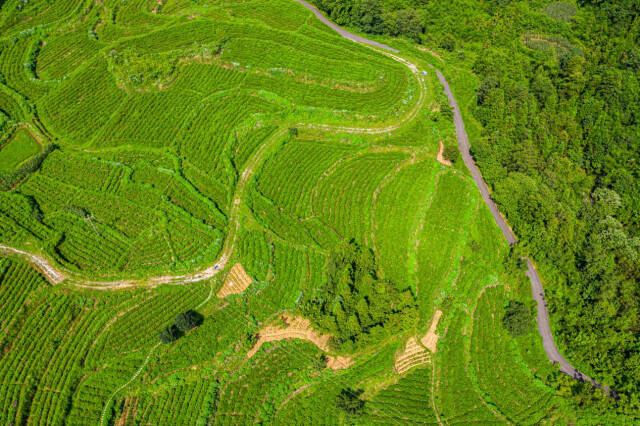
point(430, 340)
point(296, 328)
point(237, 281)
point(413, 355)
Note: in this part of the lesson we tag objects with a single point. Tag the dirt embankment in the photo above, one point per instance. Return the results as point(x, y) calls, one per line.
point(299, 328)
point(237, 281)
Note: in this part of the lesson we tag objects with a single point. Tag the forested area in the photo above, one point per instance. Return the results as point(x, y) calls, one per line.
point(559, 100)
point(356, 306)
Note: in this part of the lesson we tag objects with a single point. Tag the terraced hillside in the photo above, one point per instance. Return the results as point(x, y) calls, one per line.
point(149, 147)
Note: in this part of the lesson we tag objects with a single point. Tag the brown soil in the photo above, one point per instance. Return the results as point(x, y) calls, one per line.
point(237, 281)
point(296, 328)
point(413, 355)
point(339, 362)
point(430, 340)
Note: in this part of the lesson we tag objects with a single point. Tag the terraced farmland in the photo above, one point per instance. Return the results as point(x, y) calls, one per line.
point(208, 158)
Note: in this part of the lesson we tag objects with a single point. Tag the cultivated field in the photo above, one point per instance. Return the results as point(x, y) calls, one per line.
point(225, 149)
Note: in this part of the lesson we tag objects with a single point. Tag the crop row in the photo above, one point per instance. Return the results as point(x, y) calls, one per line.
point(344, 199)
point(500, 375)
point(187, 404)
point(289, 177)
point(398, 211)
point(407, 402)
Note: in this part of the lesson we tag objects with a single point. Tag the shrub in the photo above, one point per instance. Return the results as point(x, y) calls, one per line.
point(169, 334)
point(451, 153)
point(185, 321)
point(517, 319)
point(349, 401)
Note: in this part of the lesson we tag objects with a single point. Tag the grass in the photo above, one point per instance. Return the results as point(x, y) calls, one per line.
point(17, 150)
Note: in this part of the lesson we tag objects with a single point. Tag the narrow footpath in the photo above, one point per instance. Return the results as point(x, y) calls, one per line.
point(465, 149)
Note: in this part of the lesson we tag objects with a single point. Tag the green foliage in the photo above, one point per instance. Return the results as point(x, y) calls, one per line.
point(355, 305)
point(517, 318)
point(169, 334)
point(18, 149)
point(135, 70)
point(560, 11)
point(9, 180)
point(451, 153)
point(349, 401)
point(185, 321)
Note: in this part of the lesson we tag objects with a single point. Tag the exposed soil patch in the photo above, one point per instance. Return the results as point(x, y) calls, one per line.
point(412, 356)
point(339, 362)
point(430, 340)
point(237, 281)
point(440, 156)
point(296, 328)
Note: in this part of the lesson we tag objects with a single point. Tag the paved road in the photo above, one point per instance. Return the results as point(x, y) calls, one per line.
point(465, 149)
point(344, 33)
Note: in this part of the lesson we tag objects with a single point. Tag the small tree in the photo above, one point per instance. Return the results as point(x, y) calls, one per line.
point(349, 401)
point(169, 334)
point(451, 153)
point(517, 318)
point(293, 131)
point(185, 321)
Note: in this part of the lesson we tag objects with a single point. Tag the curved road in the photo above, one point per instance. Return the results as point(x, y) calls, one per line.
point(465, 149)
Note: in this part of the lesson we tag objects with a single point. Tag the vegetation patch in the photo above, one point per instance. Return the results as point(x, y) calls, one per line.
point(17, 150)
point(560, 11)
point(355, 305)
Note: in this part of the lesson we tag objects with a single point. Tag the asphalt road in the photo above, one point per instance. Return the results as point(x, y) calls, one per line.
point(537, 290)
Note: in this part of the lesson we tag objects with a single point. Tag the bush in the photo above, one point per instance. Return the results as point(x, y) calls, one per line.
point(451, 153)
point(517, 319)
point(185, 321)
point(169, 334)
point(349, 401)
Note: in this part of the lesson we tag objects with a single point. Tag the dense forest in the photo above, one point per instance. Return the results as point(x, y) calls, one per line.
point(558, 95)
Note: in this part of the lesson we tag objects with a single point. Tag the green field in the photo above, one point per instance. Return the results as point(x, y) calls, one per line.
point(19, 148)
point(178, 138)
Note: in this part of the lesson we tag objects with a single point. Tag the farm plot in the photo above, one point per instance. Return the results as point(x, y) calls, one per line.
point(17, 150)
point(406, 402)
point(399, 208)
point(46, 339)
point(459, 401)
point(115, 218)
point(442, 234)
point(501, 376)
point(237, 281)
point(186, 404)
point(65, 53)
point(256, 392)
point(81, 104)
point(344, 198)
point(290, 176)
